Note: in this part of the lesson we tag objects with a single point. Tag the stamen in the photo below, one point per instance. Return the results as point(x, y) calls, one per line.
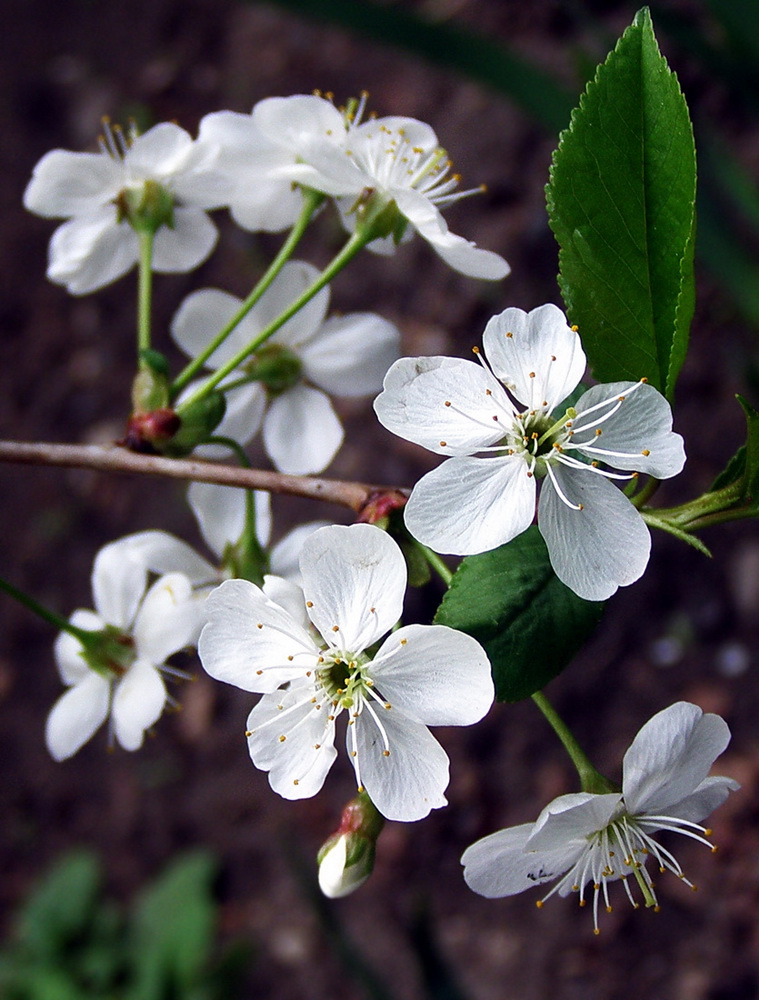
point(559, 491)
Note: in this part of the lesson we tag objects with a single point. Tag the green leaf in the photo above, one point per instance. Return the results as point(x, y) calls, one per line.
point(61, 908)
point(172, 930)
point(529, 622)
point(621, 201)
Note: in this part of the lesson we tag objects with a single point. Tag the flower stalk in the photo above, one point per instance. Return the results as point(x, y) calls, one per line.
point(311, 201)
point(590, 779)
point(353, 245)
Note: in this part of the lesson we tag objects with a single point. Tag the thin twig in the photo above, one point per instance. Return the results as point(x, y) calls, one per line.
point(113, 458)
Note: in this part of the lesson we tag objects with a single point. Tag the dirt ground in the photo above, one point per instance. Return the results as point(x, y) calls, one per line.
point(687, 631)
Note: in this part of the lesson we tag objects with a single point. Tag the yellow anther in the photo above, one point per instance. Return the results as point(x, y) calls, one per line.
point(403, 642)
point(282, 738)
point(645, 452)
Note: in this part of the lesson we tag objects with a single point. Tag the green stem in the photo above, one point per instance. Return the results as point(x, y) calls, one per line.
point(436, 562)
point(311, 201)
point(145, 292)
point(654, 521)
point(351, 248)
point(85, 636)
point(590, 779)
point(645, 493)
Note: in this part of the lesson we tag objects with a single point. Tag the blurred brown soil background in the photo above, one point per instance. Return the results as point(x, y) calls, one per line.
point(687, 631)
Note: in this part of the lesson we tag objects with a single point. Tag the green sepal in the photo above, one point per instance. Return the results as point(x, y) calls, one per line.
point(529, 623)
point(276, 367)
point(151, 387)
point(146, 208)
point(198, 422)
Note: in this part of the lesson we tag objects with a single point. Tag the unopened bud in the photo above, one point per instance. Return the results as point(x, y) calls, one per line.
point(346, 859)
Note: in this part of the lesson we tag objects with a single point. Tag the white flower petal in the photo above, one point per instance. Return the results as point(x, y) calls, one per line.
point(709, 795)
point(351, 354)
point(444, 404)
point(162, 553)
point(595, 550)
point(138, 701)
point(221, 510)
point(302, 433)
point(434, 675)
point(186, 244)
point(409, 782)
point(354, 580)
point(641, 429)
point(158, 153)
point(90, 251)
point(284, 557)
point(235, 650)
point(499, 865)
point(168, 620)
point(68, 650)
point(671, 756)
point(77, 714)
point(291, 282)
point(272, 203)
point(65, 184)
point(294, 121)
point(287, 595)
point(536, 353)
point(572, 817)
point(205, 313)
point(299, 762)
point(470, 505)
point(119, 577)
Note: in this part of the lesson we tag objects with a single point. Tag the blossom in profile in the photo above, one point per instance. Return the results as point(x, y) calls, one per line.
point(285, 387)
point(354, 581)
point(161, 179)
point(395, 169)
point(502, 424)
point(121, 680)
point(586, 839)
point(260, 152)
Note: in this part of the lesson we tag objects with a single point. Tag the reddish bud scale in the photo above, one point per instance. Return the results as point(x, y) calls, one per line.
point(146, 430)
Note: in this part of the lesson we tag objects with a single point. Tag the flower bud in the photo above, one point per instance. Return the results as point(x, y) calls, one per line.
point(346, 859)
point(198, 422)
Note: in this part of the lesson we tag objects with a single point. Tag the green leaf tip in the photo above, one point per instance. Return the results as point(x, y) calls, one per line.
point(621, 203)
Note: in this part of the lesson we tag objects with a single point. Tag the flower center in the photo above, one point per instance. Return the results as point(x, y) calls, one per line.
point(344, 679)
point(276, 367)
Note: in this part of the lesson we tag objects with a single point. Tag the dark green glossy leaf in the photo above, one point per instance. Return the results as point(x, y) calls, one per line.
point(529, 623)
point(621, 201)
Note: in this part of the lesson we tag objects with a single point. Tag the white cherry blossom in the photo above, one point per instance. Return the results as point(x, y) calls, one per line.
point(146, 628)
point(585, 839)
point(307, 358)
point(98, 245)
point(499, 423)
point(354, 580)
point(396, 162)
point(260, 151)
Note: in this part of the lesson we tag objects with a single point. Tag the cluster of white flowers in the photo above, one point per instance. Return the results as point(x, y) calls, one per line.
point(253, 165)
point(321, 637)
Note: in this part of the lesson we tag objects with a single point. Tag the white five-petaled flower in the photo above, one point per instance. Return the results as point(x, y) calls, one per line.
point(499, 422)
point(98, 245)
point(397, 161)
point(308, 357)
point(582, 838)
point(354, 581)
point(146, 629)
point(260, 151)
